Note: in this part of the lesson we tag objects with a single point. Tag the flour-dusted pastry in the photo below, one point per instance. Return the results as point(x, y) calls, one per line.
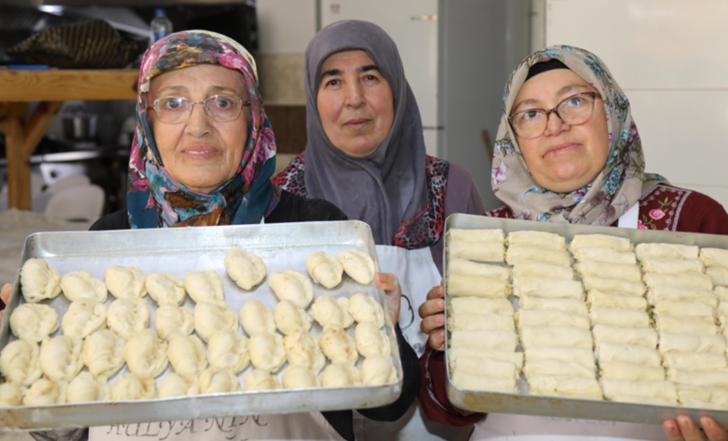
point(688, 280)
point(11, 394)
point(572, 306)
point(299, 376)
point(44, 391)
point(133, 387)
point(478, 286)
point(626, 318)
point(204, 286)
point(628, 287)
point(83, 317)
point(686, 325)
point(514, 358)
point(377, 370)
point(80, 284)
point(599, 299)
point(628, 336)
point(721, 292)
point(672, 266)
point(622, 370)
point(609, 270)
point(229, 350)
point(582, 356)
point(714, 257)
point(684, 309)
point(715, 344)
point(173, 318)
point(303, 348)
point(213, 317)
point(558, 367)
point(537, 238)
point(556, 336)
point(563, 386)
point(103, 353)
point(125, 281)
point(245, 268)
point(666, 251)
point(19, 362)
point(547, 318)
point(482, 235)
point(266, 351)
point(38, 281)
point(60, 357)
point(603, 254)
point(712, 394)
point(479, 251)
point(519, 253)
point(175, 385)
point(694, 361)
point(186, 354)
point(289, 317)
point(468, 268)
point(214, 380)
point(258, 379)
point(337, 345)
point(475, 322)
point(545, 287)
point(256, 318)
point(491, 339)
point(85, 387)
point(327, 310)
point(324, 269)
point(364, 308)
point(600, 241)
point(146, 354)
point(718, 377)
point(358, 265)
point(606, 352)
point(165, 288)
point(127, 317)
point(370, 339)
point(538, 269)
point(466, 381)
point(479, 305)
point(293, 286)
point(719, 274)
point(340, 375)
point(33, 321)
point(478, 365)
point(680, 293)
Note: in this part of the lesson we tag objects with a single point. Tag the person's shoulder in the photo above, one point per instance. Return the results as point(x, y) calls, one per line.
point(296, 208)
point(290, 175)
point(680, 209)
point(118, 220)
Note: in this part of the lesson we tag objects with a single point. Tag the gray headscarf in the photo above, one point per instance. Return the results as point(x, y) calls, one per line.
point(389, 186)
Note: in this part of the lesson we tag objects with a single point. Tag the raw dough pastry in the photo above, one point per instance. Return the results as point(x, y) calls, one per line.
point(324, 269)
point(562, 386)
point(622, 370)
point(626, 318)
point(608, 285)
point(80, 284)
point(495, 235)
point(672, 266)
point(337, 345)
point(607, 352)
point(714, 344)
point(38, 281)
point(292, 285)
point(146, 355)
point(475, 322)
point(33, 321)
point(719, 274)
point(303, 348)
point(256, 317)
point(299, 376)
point(480, 251)
point(340, 375)
point(479, 286)
point(103, 353)
point(573, 306)
point(165, 287)
point(693, 360)
point(211, 318)
point(686, 325)
point(358, 265)
point(714, 257)
point(681, 293)
point(464, 380)
point(229, 350)
point(60, 357)
point(609, 270)
point(131, 387)
point(666, 251)
point(19, 362)
point(44, 391)
point(535, 368)
point(258, 379)
point(599, 299)
point(468, 268)
point(628, 336)
point(127, 317)
point(11, 394)
point(538, 269)
point(684, 309)
point(204, 286)
point(548, 318)
point(491, 339)
point(186, 354)
point(171, 318)
point(688, 280)
point(514, 358)
point(478, 365)
point(266, 351)
point(245, 268)
point(478, 305)
point(85, 388)
point(542, 239)
point(602, 254)
point(557, 336)
point(327, 310)
point(528, 253)
point(648, 389)
point(582, 356)
point(215, 380)
point(125, 281)
point(83, 317)
point(377, 370)
point(289, 317)
point(544, 287)
point(600, 240)
point(370, 339)
point(364, 308)
point(174, 385)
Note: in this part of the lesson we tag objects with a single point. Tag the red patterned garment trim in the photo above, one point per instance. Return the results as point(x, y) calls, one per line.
point(291, 178)
point(661, 207)
point(503, 211)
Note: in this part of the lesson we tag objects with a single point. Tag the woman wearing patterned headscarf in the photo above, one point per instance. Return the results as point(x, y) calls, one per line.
point(568, 150)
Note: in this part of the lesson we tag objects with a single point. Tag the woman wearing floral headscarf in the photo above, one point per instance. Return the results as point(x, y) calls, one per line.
point(568, 150)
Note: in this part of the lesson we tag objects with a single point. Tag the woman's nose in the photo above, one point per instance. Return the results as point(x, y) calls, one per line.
point(199, 123)
point(354, 95)
point(555, 125)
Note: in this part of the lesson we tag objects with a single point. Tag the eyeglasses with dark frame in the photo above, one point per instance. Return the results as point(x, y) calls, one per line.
point(572, 111)
point(177, 110)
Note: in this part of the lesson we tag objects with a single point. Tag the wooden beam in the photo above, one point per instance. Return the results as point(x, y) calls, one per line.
point(18, 166)
point(34, 129)
point(65, 85)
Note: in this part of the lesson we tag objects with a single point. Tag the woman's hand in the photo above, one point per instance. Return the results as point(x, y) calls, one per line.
point(685, 429)
point(5, 296)
point(389, 283)
point(433, 317)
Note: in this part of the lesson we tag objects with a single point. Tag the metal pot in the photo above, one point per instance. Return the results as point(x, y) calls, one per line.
point(80, 127)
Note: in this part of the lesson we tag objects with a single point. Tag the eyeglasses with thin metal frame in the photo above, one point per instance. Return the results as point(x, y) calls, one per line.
point(177, 110)
point(572, 111)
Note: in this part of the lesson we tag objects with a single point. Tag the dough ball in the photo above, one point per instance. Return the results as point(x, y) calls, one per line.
point(327, 310)
point(210, 318)
point(229, 350)
point(292, 285)
point(86, 388)
point(204, 286)
point(245, 268)
point(33, 321)
point(298, 377)
point(171, 318)
point(187, 355)
point(60, 357)
point(256, 318)
point(215, 380)
point(258, 379)
point(366, 309)
point(165, 287)
point(124, 282)
point(377, 370)
point(289, 317)
point(79, 284)
point(39, 281)
point(370, 339)
point(44, 391)
point(131, 387)
point(20, 363)
point(146, 355)
point(324, 269)
point(266, 351)
point(302, 348)
point(127, 317)
point(83, 317)
point(174, 385)
point(337, 345)
point(358, 265)
point(11, 394)
point(340, 375)
point(103, 353)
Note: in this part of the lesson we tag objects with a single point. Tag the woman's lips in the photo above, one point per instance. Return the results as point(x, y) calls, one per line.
point(199, 152)
point(561, 148)
point(357, 123)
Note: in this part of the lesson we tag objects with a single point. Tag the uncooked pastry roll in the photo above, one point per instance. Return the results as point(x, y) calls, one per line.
point(548, 318)
point(478, 286)
point(340, 375)
point(131, 387)
point(483, 235)
point(563, 386)
point(650, 389)
point(526, 253)
point(303, 348)
point(256, 317)
point(266, 351)
point(714, 344)
point(672, 266)
point(245, 268)
point(694, 360)
point(103, 353)
point(605, 255)
point(466, 381)
point(171, 318)
point(326, 310)
point(127, 317)
point(39, 281)
point(681, 293)
point(606, 285)
point(125, 281)
point(479, 305)
point(600, 240)
point(377, 370)
point(478, 365)
point(622, 370)
point(686, 325)
point(214, 380)
point(556, 336)
point(44, 391)
point(358, 265)
point(60, 357)
point(80, 284)
point(19, 362)
point(599, 299)
point(688, 280)
point(582, 356)
point(711, 394)
point(572, 306)
point(146, 355)
point(324, 269)
point(258, 379)
point(174, 385)
point(370, 339)
point(298, 377)
point(492, 339)
point(609, 270)
point(478, 251)
point(83, 317)
point(186, 354)
point(514, 358)
point(537, 238)
point(666, 251)
point(544, 287)
point(85, 387)
point(538, 269)
point(337, 345)
point(719, 274)
point(625, 318)
point(645, 356)
point(212, 317)
point(364, 308)
point(11, 394)
point(714, 257)
point(292, 285)
point(289, 317)
point(229, 350)
point(204, 286)
point(33, 321)
point(468, 268)
point(165, 288)
point(476, 322)
point(721, 292)
point(684, 309)
point(557, 367)
point(628, 336)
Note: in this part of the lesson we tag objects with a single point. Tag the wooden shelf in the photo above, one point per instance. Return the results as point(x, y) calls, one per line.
point(65, 85)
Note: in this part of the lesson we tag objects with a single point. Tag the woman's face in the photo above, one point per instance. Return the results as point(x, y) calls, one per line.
point(200, 153)
point(565, 158)
point(355, 103)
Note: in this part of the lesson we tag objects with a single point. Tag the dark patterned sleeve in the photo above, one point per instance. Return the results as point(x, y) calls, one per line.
point(702, 214)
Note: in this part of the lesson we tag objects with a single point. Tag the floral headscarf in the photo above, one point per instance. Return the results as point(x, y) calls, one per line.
point(155, 198)
point(616, 188)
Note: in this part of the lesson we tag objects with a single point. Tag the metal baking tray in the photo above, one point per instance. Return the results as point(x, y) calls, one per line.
point(525, 404)
point(178, 250)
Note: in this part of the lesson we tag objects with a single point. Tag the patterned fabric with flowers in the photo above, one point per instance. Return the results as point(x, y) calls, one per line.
point(661, 208)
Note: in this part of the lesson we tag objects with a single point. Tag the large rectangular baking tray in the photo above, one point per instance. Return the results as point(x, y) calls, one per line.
point(178, 250)
point(479, 401)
